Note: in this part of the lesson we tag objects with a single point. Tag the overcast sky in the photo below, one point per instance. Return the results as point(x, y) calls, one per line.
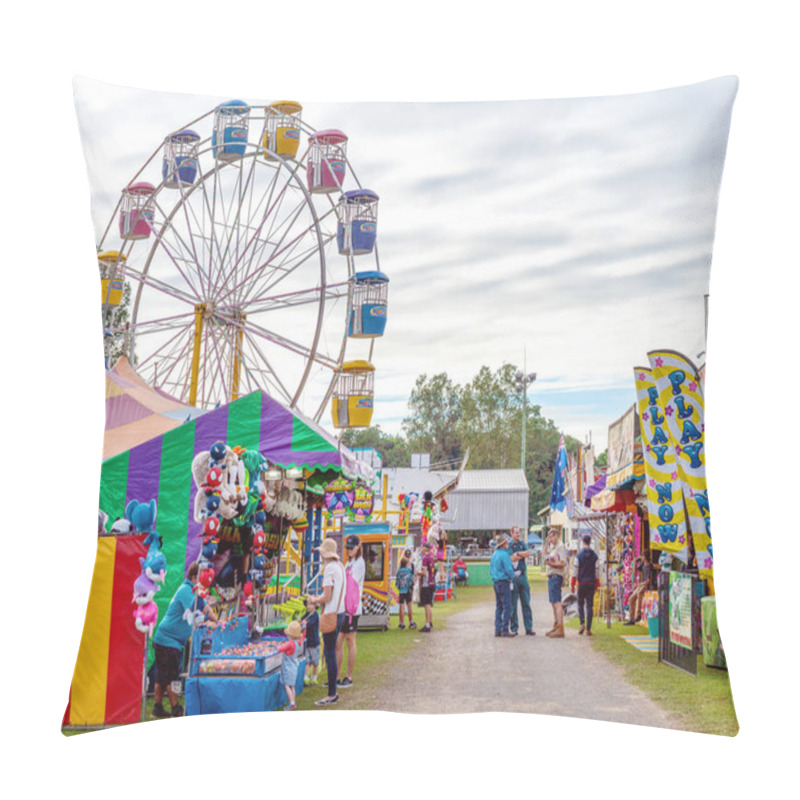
point(578, 230)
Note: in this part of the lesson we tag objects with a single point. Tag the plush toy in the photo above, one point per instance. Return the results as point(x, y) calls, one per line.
point(209, 551)
point(141, 515)
point(154, 566)
point(146, 616)
point(211, 528)
point(213, 481)
point(217, 453)
point(102, 519)
point(144, 590)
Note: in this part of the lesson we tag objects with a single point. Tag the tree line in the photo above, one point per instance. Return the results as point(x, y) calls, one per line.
point(483, 415)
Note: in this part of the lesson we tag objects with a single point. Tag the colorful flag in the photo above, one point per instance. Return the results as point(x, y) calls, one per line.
point(558, 499)
point(665, 506)
point(680, 395)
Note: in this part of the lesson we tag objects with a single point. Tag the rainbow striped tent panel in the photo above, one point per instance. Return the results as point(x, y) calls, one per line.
point(107, 683)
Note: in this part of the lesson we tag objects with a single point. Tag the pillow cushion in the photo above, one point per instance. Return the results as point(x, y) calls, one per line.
point(274, 353)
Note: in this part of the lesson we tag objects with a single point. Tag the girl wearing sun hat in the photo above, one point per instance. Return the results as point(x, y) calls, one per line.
point(291, 655)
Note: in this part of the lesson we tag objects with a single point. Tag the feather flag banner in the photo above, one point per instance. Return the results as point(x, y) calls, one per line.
point(680, 396)
point(662, 480)
point(558, 499)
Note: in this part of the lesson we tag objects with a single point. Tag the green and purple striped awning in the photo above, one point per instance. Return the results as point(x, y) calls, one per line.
point(161, 468)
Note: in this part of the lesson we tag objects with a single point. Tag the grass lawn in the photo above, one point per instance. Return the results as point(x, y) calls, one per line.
point(378, 652)
point(703, 703)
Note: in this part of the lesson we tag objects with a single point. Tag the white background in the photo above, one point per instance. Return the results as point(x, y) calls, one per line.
point(410, 51)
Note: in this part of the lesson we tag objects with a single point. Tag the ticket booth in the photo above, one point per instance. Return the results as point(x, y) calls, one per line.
point(376, 542)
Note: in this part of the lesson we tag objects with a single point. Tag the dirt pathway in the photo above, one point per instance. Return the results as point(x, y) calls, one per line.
point(465, 668)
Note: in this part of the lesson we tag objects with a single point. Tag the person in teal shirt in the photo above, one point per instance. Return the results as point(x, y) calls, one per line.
point(502, 572)
point(520, 588)
point(171, 637)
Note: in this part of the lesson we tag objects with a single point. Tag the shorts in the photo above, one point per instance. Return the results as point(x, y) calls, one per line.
point(426, 594)
point(350, 625)
point(554, 583)
point(312, 656)
point(405, 597)
point(168, 664)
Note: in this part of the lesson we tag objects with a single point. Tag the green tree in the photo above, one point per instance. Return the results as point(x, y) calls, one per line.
point(485, 415)
point(602, 459)
point(393, 449)
point(432, 424)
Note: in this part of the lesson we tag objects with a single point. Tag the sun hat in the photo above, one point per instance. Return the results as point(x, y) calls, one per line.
point(328, 549)
point(293, 630)
point(502, 539)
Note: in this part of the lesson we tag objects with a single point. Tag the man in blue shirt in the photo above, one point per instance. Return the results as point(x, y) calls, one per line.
point(520, 588)
point(171, 637)
point(502, 572)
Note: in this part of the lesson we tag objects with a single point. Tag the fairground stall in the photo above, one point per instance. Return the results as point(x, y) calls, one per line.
point(225, 489)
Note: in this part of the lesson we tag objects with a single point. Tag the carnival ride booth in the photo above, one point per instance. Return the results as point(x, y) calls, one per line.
point(353, 393)
point(231, 671)
point(136, 213)
point(357, 229)
point(368, 305)
point(179, 163)
point(376, 541)
point(327, 162)
point(229, 138)
point(282, 129)
point(111, 264)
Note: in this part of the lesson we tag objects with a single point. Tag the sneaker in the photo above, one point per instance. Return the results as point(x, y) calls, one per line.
point(589, 633)
point(291, 707)
point(507, 635)
point(401, 627)
point(581, 630)
point(631, 622)
point(327, 701)
point(412, 625)
point(497, 634)
point(426, 629)
point(513, 633)
point(344, 684)
point(159, 713)
point(530, 633)
point(177, 711)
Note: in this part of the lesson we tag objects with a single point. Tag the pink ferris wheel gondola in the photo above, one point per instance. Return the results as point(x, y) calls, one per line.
point(327, 161)
point(136, 211)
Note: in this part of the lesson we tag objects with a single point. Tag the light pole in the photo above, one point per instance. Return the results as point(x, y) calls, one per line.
point(523, 381)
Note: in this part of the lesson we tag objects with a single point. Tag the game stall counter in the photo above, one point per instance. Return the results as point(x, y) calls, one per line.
point(230, 673)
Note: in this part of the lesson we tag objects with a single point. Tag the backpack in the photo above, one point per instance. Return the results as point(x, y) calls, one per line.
point(404, 580)
point(352, 594)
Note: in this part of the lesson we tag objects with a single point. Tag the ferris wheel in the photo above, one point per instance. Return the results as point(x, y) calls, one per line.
point(237, 271)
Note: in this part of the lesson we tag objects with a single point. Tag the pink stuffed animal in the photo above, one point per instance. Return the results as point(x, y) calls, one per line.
point(146, 616)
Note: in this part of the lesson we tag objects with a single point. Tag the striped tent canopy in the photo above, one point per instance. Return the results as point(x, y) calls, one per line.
point(136, 412)
point(160, 468)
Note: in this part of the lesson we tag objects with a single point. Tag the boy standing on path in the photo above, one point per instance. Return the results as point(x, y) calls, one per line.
point(520, 588)
point(502, 572)
point(427, 586)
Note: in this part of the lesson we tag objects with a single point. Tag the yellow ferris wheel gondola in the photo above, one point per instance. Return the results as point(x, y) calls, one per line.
point(353, 393)
point(111, 263)
point(282, 129)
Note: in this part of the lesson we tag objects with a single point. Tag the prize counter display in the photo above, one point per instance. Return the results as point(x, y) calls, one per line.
point(230, 673)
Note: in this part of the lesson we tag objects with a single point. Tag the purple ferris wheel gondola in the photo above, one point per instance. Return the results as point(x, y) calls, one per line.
point(180, 163)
